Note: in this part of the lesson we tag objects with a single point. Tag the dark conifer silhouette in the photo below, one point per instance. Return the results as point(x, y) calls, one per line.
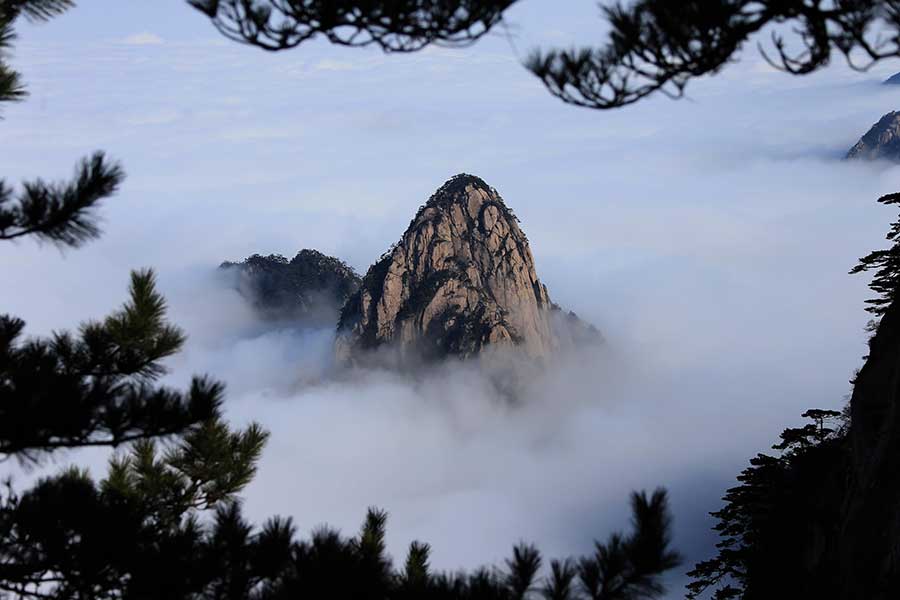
point(523, 568)
point(69, 536)
point(560, 584)
point(653, 45)
point(782, 506)
point(818, 520)
point(394, 26)
point(137, 535)
point(659, 46)
point(12, 88)
point(96, 388)
point(62, 212)
point(330, 566)
point(886, 264)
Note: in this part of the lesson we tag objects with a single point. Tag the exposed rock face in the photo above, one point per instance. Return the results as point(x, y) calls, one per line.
point(855, 553)
point(462, 278)
point(311, 287)
point(868, 544)
point(881, 141)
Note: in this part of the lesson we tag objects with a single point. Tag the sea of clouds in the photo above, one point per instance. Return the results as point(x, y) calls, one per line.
point(709, 240)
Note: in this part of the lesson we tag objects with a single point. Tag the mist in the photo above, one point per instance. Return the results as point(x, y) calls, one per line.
point(708, 239)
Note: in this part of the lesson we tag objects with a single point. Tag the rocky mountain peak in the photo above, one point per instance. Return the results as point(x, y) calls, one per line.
point(882, 141)
point(469, 192)
point(462, 278)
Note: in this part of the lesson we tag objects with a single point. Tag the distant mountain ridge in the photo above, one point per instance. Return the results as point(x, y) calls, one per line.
point(882, 141)
point(309, 288)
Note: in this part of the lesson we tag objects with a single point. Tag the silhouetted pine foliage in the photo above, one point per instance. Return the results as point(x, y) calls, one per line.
point(137, 534)
point(775, 526)
point(96, 388)
point(560, 584)
point(659, 46)
point(653, 45)
point(393, 25)
point(12, 88)
point(69, 536)
point(886, 264)
point(786, 528)
point(60, 212)
point(329, 565)
point(522, 569)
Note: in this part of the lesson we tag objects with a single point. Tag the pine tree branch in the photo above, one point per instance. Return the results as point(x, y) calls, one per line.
point(36, 10)
point(62, 213)
point(96, 389)
point(393, 26)
point(49, 445)
point(659, 46)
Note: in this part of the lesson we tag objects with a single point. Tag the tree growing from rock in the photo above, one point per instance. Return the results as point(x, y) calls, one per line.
point(784, 507)
point(886, 264)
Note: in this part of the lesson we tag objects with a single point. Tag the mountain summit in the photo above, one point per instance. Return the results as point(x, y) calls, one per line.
point(461, 278)
point(881, 141)
point(308, 289)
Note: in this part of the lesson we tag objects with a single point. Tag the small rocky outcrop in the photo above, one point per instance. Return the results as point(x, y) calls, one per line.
point(461, 279)
point(310, 288)
point(882, 141)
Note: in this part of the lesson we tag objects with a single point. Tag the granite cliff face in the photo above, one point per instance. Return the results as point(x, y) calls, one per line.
point(882, 141)
point(845, 537)
point(309, 288)
point(854, 553)
point(868, 541)
point(460, 280)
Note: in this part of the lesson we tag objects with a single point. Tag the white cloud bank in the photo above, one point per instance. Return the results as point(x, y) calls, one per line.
point(143, 39)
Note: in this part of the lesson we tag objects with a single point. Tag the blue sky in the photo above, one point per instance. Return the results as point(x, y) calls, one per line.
point(709, 239)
